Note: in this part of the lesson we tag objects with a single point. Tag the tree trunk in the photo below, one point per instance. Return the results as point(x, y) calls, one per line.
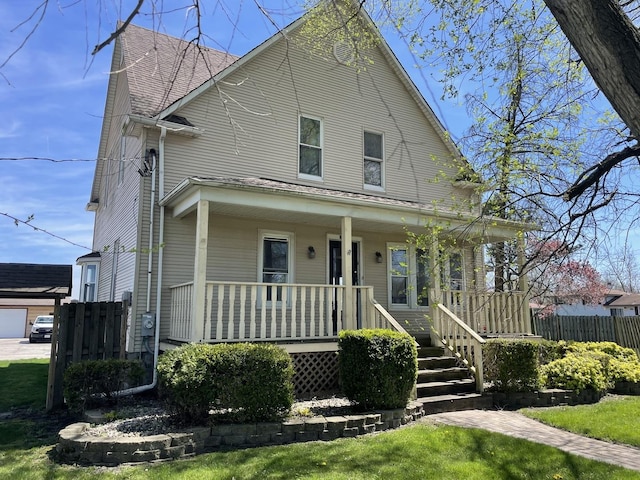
point(609, 45)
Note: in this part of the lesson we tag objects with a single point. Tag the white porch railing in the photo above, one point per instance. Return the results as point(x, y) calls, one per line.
point(489, 314)
point(250, 312)
point(460, 340)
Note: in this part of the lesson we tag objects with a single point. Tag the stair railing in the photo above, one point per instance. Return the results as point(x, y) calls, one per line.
point(461, 340)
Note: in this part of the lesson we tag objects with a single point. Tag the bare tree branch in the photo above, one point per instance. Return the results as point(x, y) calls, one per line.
point(120, 29)
point(590, 176)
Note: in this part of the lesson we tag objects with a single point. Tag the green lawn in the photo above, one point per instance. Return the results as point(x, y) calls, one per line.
point(614, 419)
point(422, 451)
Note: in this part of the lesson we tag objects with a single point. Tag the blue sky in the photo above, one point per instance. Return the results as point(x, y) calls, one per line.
point(52, 94)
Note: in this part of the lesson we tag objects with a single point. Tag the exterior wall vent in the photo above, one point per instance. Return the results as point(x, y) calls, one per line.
point(344, 52)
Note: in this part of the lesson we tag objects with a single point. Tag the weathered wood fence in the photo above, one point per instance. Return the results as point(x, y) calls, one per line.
point(84, 331)
point(625, 331)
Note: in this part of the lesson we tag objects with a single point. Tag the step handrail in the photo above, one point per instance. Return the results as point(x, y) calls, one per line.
point(461, 340)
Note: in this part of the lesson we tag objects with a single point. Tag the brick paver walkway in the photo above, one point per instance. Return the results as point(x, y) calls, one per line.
point(517, 425)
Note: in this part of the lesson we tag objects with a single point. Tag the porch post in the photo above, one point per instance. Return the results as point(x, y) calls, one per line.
point(200, 272)
point(347, 273)
point(434, 255)
point(523, 285)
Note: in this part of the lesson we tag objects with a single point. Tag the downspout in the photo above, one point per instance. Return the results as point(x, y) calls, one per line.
point(154, 163)
point(156, 346)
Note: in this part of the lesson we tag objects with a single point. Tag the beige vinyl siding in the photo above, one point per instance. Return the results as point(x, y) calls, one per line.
point(118, 219)
point(263, 101)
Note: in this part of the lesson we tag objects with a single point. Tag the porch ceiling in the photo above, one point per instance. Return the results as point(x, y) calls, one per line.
point(278, 201)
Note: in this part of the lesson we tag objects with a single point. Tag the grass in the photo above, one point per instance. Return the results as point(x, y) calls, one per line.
point(23, 384)
point(613, 419)
point(421, 451)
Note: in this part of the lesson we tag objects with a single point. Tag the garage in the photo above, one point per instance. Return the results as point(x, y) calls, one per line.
point(22, 281)
point(12, 322)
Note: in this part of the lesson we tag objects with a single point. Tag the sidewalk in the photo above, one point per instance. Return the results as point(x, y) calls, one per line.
point(517, 425)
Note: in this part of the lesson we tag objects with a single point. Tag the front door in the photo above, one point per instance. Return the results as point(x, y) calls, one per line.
point(335, 276)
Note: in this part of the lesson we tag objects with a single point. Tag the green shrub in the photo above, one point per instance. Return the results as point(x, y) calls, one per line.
point(550, 350)
point(611, 349)
point(378, 368)
point(576, 372)
point(89, 382)
point(250, 382)
point(624, 371)
point(512, 365)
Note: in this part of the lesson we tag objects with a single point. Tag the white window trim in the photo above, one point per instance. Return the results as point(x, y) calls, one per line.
point(83, 276)
point(446, 273)
point(121, 163)
point(289, 237)
point(412, 278)
point(367, 186)
point(306, 176)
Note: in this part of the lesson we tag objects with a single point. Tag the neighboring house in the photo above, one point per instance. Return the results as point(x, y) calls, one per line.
point(269, 197)
point(615, 303)
point(28, 290)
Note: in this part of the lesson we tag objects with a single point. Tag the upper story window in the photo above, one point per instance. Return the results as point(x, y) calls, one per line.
point(123, 154)
point(373, 168)
point(275, 261)
point(310, 148)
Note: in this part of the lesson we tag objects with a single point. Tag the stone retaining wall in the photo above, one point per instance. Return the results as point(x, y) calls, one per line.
point(75, 445)
point(544, 398)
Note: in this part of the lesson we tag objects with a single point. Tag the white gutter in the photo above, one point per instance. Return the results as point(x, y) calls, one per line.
point(156, 346)
point(151, 218)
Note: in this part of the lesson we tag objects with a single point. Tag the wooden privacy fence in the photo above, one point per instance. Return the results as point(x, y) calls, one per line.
point(625, 331)
point(84, 331)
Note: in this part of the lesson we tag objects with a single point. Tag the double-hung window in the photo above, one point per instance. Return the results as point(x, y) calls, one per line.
point(409, 278)
point(452, 271)
point(275, 261)
point(310, 148)
point(373, 167)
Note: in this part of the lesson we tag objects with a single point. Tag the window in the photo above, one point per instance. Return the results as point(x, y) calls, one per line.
point(121, 163)
point(452, 272)
point(372, 159)
point(310, 155)
point(409, 278)
point(275, 261)
point(617, 312)
point(89, 275)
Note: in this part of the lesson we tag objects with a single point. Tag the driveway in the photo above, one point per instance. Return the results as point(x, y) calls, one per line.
point(20, 349)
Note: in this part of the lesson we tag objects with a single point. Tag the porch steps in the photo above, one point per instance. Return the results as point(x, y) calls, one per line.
point(443, 386)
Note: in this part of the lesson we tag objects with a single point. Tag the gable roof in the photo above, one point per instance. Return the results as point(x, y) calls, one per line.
point(28, 280)
point(626, 300)
point(162, 69)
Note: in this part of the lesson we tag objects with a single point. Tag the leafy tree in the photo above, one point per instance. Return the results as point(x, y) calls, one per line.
point(557, 275)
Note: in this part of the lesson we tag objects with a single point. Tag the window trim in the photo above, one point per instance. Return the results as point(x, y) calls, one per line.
point(84, 283)
point(307, 176)
point(276, 235)
point(369, 186)
point(411, 275)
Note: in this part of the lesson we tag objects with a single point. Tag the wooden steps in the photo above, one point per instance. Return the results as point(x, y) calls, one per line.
point(444, 386)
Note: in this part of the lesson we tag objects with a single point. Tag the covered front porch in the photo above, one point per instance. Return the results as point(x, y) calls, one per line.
point(305, 315)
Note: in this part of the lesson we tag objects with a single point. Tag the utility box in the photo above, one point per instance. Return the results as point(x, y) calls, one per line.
point(148, 324)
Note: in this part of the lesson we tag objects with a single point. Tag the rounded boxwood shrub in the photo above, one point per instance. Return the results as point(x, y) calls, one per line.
point(378, 368)
point(249, 382)
point(91, 382)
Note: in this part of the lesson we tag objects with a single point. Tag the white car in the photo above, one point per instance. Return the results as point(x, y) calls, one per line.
point(41, 329)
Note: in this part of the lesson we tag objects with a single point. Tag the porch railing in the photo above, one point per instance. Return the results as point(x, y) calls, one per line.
point(489, 313)
point(238, 311)
point(460, 340)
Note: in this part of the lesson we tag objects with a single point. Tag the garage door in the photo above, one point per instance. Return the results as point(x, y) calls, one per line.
point(12, 322)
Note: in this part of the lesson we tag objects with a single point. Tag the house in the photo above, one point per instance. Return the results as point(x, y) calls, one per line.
point(28, 290)
point(271, 197)
point(614, 303)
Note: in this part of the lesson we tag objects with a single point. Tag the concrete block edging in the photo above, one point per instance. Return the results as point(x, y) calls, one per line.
point(75, 445)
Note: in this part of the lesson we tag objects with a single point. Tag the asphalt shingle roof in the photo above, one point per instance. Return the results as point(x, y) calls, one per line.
point(28, 280)
point(162, 69)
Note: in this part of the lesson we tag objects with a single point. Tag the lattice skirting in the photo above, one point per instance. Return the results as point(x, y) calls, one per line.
point(315, 373)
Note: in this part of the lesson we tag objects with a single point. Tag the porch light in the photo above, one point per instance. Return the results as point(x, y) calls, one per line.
point(378, 257)
point(311, 252)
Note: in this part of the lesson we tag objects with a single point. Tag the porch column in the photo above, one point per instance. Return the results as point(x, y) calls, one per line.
point(434, 255)
point(200, 272)
point(523, 285)
point(347, 274)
